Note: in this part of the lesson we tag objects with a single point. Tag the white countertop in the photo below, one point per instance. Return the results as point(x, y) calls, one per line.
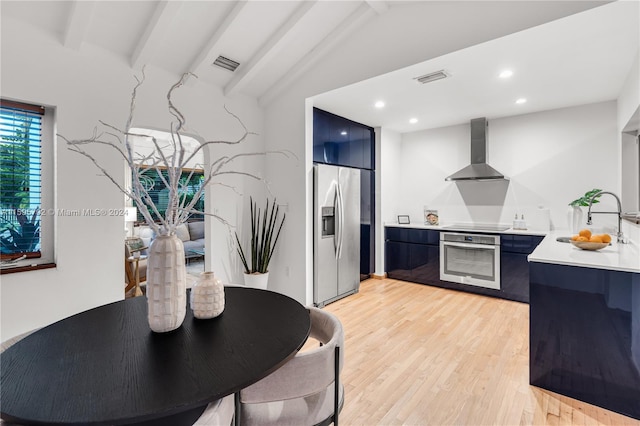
point(616, 257)
point(453, 228)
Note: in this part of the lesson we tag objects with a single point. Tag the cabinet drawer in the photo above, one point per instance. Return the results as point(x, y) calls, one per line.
point(411, 235)
point(519, 243)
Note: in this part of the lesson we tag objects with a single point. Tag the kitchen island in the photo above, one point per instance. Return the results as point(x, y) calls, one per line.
point(585, 323)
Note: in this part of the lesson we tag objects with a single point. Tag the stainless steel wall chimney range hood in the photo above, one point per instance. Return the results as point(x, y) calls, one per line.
point(478, 169)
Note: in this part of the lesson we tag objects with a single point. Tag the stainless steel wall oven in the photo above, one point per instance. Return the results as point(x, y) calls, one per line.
point(472, 259)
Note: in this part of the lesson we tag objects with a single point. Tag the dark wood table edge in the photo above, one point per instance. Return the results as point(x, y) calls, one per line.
point(175, 416)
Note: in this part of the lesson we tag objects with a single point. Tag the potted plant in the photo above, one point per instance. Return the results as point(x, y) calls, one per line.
point(263, 243)
point(574, 214)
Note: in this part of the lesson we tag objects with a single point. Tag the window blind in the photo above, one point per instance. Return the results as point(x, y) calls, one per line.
point(20, 179)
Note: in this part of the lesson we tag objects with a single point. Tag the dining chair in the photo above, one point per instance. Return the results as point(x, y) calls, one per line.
point(218, 413)
point(306, 390)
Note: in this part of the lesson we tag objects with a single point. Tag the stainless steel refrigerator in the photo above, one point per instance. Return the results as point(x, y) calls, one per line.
point(336, 232)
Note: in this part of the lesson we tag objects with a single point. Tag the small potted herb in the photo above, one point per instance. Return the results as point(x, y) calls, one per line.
point(575, 214)
point(584, 200)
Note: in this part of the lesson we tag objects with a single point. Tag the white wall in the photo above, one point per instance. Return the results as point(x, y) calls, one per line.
point(406, 34)
point(550, 158)
point(387, 183)
point(86, 86)
point(628, 104)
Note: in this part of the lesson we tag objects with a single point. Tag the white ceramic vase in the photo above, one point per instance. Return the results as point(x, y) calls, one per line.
point(256, 280)
point(166, 284)
point(574, 218)
point(207, 296)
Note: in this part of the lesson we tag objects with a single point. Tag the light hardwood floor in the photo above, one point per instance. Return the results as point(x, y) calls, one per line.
point(421, 355)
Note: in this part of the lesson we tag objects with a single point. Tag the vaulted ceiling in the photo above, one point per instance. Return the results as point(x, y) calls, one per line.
point(579, 59)
point(273, 41)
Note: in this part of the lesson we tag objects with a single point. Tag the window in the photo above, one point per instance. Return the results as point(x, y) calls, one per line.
point(191, 181)
point(26, 184)
point(191, 178)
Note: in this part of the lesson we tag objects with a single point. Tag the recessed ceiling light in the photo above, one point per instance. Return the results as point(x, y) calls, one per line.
point(506, 74)
point(521, 101)
point(413, 120)
point(379, 104)
point(343, 133)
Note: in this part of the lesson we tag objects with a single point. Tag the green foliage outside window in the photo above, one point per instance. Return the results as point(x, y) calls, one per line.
point(19, 182)
point(190, 183)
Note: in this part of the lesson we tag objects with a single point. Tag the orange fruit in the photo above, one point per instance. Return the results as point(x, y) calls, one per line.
point(606, 238)
point(575, 237)
point(585, 233)
point(581, 238)
point(596, 239)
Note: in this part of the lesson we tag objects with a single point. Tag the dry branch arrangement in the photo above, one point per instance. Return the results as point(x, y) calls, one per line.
point(173, 158)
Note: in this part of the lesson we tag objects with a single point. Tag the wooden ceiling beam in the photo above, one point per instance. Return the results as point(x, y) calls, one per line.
point(269, 49)
point(379, 6)
point(205, 57)
point(346, 27)
point(147, 45)
point(77, 24)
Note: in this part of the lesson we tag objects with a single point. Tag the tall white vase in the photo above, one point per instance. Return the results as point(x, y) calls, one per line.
point(166, 284)
point(256, 280)
point(574, 218)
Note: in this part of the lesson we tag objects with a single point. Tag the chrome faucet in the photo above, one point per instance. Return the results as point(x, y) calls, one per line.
point(621, 238)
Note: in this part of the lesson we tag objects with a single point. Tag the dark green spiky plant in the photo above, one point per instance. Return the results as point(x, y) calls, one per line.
point(23, 238)
point(263, 241)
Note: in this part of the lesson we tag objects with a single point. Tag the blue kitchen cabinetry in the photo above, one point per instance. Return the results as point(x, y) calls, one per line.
point(582, 327)
point(514, 267)
point(413, 254)
point(342, 142)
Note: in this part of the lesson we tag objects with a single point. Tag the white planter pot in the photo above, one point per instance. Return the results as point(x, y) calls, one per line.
point(574, 218)
point(166, 284)
point(256, 280)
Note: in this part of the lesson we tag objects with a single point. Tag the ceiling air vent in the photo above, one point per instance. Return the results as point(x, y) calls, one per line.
point(428, 78)
point(226, 63)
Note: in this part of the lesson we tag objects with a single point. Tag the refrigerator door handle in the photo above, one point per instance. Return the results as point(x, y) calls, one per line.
point(340, 214)
point(336, 231)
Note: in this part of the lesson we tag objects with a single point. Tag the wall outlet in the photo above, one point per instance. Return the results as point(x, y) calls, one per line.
point(287, 271)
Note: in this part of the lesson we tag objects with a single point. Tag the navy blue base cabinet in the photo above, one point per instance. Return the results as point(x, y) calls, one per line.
point(514, 266)
point(413, 254)
point(581, 335)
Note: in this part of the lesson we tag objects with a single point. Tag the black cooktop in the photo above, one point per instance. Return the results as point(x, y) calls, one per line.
point(478, 227)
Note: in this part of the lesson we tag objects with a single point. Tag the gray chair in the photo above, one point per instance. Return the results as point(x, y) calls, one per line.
point(218, 413)
point(304, 391)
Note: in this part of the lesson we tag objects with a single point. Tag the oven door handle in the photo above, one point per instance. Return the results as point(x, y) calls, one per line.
point(471, 246)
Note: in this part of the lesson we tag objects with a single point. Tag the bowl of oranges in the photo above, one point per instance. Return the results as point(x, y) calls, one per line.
point(585, 240)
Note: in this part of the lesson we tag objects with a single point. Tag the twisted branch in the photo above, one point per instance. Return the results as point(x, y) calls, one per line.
point(178, 211)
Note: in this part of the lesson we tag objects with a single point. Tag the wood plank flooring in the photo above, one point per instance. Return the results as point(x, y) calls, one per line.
point(420, 355)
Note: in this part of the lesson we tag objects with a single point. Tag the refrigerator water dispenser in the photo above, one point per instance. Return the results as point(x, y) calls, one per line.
point(328, 221)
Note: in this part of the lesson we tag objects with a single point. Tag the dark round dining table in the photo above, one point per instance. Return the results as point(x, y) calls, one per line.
point(105, 366)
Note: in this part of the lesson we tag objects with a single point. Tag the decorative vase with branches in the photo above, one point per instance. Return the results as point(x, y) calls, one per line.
point(168, 159)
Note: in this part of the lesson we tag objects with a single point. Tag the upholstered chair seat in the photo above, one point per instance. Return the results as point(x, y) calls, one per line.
point(302, 391)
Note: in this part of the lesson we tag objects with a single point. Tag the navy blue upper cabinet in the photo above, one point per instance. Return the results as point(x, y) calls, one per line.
point(342, 142)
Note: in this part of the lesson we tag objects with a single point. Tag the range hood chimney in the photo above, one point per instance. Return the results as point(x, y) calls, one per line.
point(478, 169)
